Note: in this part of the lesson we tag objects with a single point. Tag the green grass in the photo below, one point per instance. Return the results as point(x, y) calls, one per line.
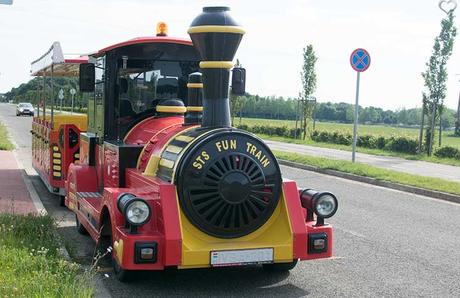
point(448, 139)
point(373, 172)
point(5, 143)
point(30, 265)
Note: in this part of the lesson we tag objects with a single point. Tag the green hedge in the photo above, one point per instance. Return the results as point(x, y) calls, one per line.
point(447, 152)
point(281, 131)
point(396, 144)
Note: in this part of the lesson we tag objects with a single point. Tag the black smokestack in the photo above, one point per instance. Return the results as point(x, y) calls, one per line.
point(216, 36)
point(194, 113)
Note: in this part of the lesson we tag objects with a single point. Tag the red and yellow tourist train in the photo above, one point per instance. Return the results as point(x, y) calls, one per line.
point(155, 170)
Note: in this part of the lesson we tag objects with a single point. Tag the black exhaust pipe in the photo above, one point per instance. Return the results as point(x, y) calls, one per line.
point(216, 36)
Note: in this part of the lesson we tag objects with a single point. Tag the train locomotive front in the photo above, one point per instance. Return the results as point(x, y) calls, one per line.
point(202, 194)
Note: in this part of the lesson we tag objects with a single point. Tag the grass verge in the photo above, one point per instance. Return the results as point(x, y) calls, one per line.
point(434, 159)
point(30, 263)
point(5, 143)
point(373, 172)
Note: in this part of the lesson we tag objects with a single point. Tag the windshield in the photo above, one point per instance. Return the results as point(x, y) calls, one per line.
point(25, 105)
point(145, 83)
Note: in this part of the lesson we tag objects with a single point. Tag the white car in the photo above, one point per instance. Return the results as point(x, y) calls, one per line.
point(25, 108)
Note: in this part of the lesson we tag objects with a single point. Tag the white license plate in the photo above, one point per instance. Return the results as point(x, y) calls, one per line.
point(241, 257)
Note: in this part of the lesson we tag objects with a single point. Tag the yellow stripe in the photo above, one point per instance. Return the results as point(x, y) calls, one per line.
point(173, 149)
point(56, 174)
point(171, 109)
point(216, 29)
point(57, 155)
point(56, 148)
point(195, 85)
point(166, 163)
point(57, 168)
point(216, 64)
point(194, 109)
point(57, 161)
point(186, 139)
point(76, 155)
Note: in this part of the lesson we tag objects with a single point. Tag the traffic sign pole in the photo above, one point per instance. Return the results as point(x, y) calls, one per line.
point(360, 60)
point(355, 126)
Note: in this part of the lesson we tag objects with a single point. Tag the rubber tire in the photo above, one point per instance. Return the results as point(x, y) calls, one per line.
point(80, 228)
point(62, 201)
point(280, 267)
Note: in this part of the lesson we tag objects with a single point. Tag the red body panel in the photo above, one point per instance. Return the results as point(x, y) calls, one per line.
point(52, 154)
point(164, 225)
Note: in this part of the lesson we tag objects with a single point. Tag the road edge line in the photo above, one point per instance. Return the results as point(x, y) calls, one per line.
point(406, 188)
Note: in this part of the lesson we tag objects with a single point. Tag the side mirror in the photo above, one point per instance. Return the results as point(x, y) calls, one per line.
point(123, 85)
point(87, 77)
point(238, 81)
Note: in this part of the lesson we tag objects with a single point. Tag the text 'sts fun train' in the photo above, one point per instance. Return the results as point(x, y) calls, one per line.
point(168, 190)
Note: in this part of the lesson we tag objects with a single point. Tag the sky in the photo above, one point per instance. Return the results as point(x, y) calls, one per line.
point(399, 36)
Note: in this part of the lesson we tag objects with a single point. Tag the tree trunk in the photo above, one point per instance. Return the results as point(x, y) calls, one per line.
point(457, 124)
point(296, 120)
point(440, 127)
point(420, 138)
point(433, 119)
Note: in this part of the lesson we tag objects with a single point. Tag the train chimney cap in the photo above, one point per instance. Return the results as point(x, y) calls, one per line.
point(216, 36)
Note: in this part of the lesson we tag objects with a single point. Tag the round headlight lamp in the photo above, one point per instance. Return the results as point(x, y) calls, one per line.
point(325, 204)
point(135, 210)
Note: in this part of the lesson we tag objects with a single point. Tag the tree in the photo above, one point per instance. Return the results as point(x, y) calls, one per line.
point(436, 75)
point(235, 101)
point(308, 76)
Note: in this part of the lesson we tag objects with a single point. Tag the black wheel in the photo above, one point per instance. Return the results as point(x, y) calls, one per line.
point(80, 228)
point(280, 266)
point(62, 201)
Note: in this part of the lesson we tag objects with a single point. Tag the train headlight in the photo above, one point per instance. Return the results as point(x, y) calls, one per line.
point(135, 210)
point(325, 205)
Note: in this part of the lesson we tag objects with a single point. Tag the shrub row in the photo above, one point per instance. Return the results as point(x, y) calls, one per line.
point(281, 131)
point(447, 152)
point(393, 143)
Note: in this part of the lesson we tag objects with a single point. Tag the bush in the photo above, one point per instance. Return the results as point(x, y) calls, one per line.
point(447, 152)
point(401, 144)
point(396, 144)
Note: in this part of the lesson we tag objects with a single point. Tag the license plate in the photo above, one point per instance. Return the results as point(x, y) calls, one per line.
point(241, 257)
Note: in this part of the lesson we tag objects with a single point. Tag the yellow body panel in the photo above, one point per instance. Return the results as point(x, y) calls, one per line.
point(276, 233)
point(79, 120)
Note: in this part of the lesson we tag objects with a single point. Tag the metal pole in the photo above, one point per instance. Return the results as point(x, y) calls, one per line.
point(52, 97)
point(355, 126)
point(44, 95)
point(73, 96)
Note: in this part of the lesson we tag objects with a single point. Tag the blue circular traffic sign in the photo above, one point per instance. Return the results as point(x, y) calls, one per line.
point(360, 60)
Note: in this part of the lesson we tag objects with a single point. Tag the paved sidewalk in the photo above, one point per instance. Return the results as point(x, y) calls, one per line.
point(416, 167)
point(14, 195)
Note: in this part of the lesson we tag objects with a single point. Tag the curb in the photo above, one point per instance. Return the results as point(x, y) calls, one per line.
point(406, 188)
point(30, 188)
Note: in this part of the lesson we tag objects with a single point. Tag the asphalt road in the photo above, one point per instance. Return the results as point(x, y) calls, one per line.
point(387, 243)
point(416, 167)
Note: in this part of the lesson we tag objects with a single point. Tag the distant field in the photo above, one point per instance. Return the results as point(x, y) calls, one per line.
point(447, 138)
